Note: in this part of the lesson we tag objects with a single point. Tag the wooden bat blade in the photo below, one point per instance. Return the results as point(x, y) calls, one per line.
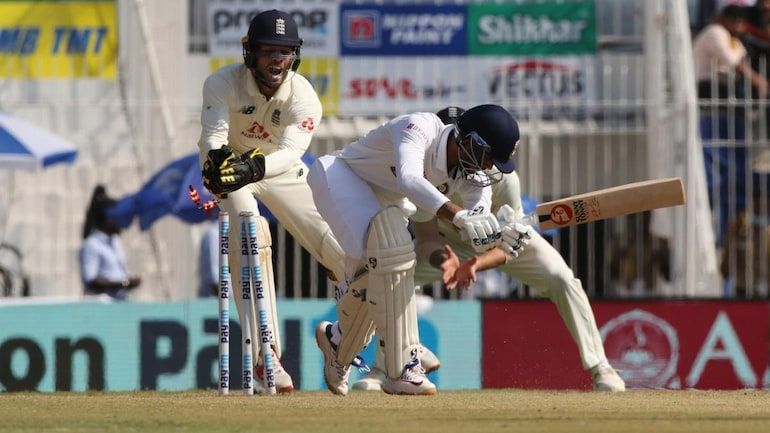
point(611, 202)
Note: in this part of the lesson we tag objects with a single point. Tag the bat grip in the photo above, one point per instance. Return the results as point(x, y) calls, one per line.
point(529, 219)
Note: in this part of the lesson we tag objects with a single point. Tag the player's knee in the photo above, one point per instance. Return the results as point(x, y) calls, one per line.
point(389, 245)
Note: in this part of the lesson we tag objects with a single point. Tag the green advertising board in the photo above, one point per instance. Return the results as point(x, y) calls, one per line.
point(563, 28)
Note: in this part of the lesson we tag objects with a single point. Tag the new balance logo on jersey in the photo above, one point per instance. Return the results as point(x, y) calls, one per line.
point(280, 27)
point(276, 117)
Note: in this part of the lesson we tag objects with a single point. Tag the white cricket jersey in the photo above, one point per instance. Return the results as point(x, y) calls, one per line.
point(235, 113)
point(406, 157)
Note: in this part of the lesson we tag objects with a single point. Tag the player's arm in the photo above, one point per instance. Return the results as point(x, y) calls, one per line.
point(215, 115)
point(411, 139)
point(216, 157)
point(89, 270)
point(304, 116)
point(515, 237)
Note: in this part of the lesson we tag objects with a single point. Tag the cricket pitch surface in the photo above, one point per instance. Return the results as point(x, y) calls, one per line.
point(509, 410)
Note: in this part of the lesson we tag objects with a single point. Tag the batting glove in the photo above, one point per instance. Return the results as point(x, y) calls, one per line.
point(481, 227)
point(515, 237)
point(506, 214)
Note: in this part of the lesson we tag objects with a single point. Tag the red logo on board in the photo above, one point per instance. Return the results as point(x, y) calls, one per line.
point(561, 214)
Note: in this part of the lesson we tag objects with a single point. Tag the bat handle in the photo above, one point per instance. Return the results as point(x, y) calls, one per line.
point(529, 219)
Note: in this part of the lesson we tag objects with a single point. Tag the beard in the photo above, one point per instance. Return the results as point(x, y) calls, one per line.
point(271, 76)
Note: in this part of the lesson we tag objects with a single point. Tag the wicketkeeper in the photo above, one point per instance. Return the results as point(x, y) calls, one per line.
point(257, 121)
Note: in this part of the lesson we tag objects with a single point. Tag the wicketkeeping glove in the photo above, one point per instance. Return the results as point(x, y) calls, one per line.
point(216, 161)
point(234, 175)
point(481, 227)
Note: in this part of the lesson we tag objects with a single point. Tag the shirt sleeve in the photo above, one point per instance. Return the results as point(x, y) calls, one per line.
point(410, 141)
point(89, 263)
point(472, 196)
point(215, 114)
point(724, 48)
point(304, 117)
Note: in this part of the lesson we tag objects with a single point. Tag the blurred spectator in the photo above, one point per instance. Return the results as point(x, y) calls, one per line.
point(757, 42)
point(641, 261)
point(103, 267)
point(14, 280)
point(746, 258)
point(208, 261)
point(757, 35)
point(718, 47)
point(720, 68)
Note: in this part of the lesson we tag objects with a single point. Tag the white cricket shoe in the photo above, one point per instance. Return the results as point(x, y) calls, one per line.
point(607, 379)
point(412, 382)
point(335, 374)
point(283, 382)
point(428, 359)
point(371, 381)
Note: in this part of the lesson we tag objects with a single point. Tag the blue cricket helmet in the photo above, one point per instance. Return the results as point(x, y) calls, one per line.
point(498, 130)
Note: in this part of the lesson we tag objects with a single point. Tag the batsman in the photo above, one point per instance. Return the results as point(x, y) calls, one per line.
point(257, 121)
point(368, 191)
point(539, 265)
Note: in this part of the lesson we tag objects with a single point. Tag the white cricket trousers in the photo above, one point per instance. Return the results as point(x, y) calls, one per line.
point(541, 267)
point(346, 202)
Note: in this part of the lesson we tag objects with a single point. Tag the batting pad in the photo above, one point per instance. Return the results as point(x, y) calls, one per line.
point(390, 295)
point(355, 322)
point(265, 240)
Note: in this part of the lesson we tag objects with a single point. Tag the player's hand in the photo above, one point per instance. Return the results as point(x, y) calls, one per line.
point(464, 275)
point(481, 227)
point(515, 237)
point(216, 161)
point(234, 175)
point(448, 266)
point(506, 215)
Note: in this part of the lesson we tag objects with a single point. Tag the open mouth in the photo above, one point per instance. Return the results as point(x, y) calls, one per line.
point(275, 73)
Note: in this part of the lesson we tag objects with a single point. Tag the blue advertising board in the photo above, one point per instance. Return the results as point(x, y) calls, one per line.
point(403, 30)
point(173, 346)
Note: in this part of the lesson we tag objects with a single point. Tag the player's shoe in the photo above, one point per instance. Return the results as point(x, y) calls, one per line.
point(371, 381)
point(607, 379)
point(283, 382)
point(335, 374)
point(428, 359)
point(412, 382)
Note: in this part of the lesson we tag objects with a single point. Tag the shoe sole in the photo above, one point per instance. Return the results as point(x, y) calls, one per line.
point(326, 361)
point(284, 390)
point(426, 393)
point(608, 389)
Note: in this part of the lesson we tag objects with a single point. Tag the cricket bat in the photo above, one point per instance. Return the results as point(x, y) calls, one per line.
point(608, 203)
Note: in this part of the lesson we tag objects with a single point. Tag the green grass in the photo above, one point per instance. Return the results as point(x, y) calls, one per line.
point(461, 411)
